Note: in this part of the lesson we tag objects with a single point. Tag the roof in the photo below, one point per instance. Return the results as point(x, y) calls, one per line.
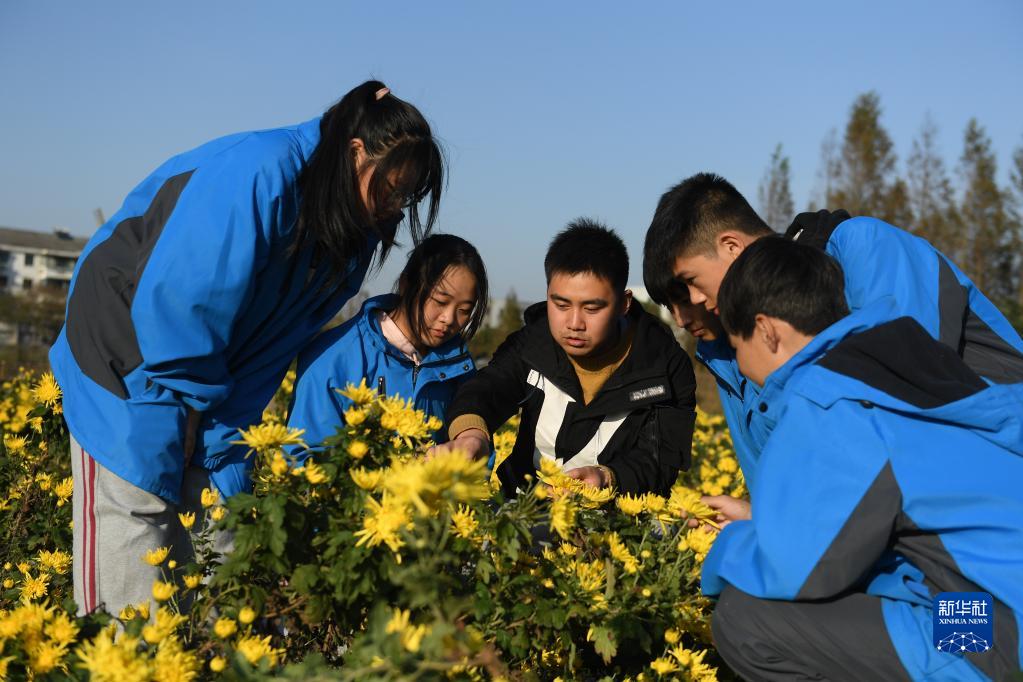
point(41, 241)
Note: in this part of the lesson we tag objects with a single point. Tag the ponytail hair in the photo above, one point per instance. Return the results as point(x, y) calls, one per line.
point(427, 264)
point(332, 219)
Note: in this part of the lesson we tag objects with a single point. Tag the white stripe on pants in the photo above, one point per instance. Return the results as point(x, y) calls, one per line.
point(116, 523)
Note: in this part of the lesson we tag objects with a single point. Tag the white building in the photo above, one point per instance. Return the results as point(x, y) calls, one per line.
point(31, 260)
point(35, 271)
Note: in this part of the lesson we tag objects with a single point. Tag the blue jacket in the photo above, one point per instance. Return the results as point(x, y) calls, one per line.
point(187, 298)
point(892, 468)
point(880, 261)
point(356, 350)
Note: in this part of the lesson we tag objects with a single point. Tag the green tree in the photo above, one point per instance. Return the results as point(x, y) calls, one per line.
point(992, 240)
point(774, 192)
point(489, 337)
point(1016, 180)
point(863, 181)
point(931, 195)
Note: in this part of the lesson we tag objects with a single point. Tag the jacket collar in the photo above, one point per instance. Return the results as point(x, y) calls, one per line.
point(644, 367)
point(450, 351)
point(874, 314)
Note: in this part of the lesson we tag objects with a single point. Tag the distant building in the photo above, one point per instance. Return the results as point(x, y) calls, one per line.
point(35, 272)
point(30, 260)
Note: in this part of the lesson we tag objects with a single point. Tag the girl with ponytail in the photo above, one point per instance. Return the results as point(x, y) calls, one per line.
point(188, 305)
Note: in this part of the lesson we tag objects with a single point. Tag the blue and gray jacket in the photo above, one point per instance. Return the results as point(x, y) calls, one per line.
point(356, 350)
point(880, 261)
point(188, 297)
point(889, 467)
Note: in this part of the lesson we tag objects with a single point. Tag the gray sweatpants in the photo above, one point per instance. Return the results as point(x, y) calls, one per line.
point(116, 523)
point(842, 639)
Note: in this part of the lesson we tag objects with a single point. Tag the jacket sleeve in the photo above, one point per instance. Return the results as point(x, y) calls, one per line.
point(199, 278)
point(823, 511)
point(665, 439)
point(494, 392)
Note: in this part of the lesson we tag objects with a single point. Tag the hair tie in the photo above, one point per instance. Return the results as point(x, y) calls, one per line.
point(383, 92)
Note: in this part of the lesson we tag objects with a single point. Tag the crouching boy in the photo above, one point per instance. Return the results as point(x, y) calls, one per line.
point(890, 475)
point(603, 387)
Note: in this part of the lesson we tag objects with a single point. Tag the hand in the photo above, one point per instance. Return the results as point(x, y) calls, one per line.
point(473, 442)
point(597, 477)
point(728, 508)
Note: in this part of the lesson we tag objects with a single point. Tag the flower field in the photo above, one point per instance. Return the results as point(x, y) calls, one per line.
point(368, 561)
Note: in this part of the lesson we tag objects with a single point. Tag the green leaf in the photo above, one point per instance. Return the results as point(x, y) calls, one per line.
point(603, 642)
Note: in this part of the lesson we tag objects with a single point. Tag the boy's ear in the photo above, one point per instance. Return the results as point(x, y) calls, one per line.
point(730, 244)
point(767, 332)
point(626, 301)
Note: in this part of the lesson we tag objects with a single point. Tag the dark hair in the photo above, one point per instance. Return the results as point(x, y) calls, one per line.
point(426, 267)
point(588, 246)
point(687, 219)
point(332, 218)
point(781, 278)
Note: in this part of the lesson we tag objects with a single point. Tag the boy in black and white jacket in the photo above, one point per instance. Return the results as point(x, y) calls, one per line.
point(603, 386)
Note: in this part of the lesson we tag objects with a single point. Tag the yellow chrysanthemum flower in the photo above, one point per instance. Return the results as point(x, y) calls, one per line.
point(173, 664)
point(700, 541)
point(47, 391)
point(464, 522)
point(358, 449)
point(45, 657)
point(654, 504)
point(425, 484)
point(360, 395)
point(246, 615)
point(63, 491)
point(590, 574)
point(314, 473)
point(166, 622)
point(187, 519)
point(664, 666)
point(621, 553)
point(218, 513)
point(630, 505)
point(269, 436)
point(383, 523)
point(687, 503)
point(163, 591)
point(155, 557)
point(62, 629)
point(411, 636)
point(209, 497)
point(15, 444)
point(365, 478)
point(34, 588)
point(110, 661)
point(354, 416)
point(217, 664)
point(562, 516)
point(225, 627)
point(193, 580)
point(278, 465)
point(57, 561)
point(255, 649)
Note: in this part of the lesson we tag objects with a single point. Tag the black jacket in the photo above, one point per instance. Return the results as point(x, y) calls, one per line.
point(640, 423)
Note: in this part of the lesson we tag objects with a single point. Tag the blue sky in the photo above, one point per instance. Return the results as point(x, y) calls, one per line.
point(548, 110)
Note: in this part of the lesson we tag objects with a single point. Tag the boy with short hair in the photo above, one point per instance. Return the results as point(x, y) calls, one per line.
point(889, 473)
point(603, 387)
point(703, 224)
